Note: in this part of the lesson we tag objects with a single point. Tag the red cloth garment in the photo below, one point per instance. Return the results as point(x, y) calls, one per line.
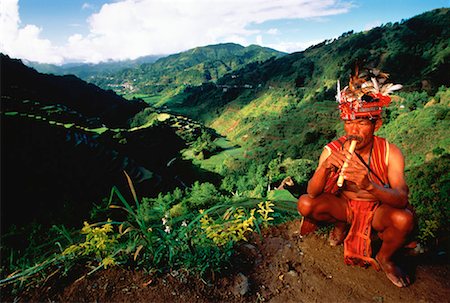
point(357, 244)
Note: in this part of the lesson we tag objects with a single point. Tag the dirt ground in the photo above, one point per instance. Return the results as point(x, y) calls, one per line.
point(278, 266)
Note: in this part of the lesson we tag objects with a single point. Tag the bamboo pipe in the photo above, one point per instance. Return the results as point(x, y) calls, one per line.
point(351, 149)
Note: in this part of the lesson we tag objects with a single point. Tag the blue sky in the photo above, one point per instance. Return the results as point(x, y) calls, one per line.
point(58, 31)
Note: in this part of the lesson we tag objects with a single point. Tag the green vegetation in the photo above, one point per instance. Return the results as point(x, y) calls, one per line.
point(158, 235)
point(227, 152)
point(421, 126)
point(429, 185)
point(283, 108)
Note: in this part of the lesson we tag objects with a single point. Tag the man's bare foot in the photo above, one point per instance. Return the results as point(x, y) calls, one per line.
point(393, 273)
point(337, 234)
point(307, 226)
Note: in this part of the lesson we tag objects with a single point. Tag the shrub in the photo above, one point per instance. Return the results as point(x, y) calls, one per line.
point(429, 186)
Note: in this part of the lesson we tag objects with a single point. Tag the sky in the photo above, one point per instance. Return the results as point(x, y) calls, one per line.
point(92, 31)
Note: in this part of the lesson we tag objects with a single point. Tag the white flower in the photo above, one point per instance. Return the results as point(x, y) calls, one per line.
point(167, 230)
point(164, 221)
point(184, 223)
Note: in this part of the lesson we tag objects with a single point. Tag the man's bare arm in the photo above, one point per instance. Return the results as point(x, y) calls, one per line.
point(397, 195)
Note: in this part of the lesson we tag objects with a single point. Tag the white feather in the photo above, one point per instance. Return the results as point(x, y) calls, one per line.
point(395, 87)
point(389, 88)
point(375, 85)
point(338, 88)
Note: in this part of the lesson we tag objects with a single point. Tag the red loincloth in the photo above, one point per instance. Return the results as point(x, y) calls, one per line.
point(357, 244)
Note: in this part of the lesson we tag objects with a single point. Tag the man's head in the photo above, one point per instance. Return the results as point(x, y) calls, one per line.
point(365, 96)
point(361, 130)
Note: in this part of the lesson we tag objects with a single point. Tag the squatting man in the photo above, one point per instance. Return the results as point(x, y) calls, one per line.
point(359, 184)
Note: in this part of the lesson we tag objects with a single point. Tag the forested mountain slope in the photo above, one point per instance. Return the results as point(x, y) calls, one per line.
point(20, 82)
point(169, 75)
point(65, 143)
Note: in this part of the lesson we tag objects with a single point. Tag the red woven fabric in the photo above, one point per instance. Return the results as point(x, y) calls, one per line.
point(357, 244)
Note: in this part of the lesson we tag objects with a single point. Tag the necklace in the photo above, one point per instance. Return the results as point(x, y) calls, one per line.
point(367, 165)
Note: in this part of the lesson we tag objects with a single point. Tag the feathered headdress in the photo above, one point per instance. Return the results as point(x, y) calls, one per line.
point(366, 94)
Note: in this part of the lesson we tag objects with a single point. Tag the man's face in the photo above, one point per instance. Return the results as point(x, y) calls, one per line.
point(361, 130)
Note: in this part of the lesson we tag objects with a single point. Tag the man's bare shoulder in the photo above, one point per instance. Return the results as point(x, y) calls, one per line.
point(396, 158)
point(395, 150)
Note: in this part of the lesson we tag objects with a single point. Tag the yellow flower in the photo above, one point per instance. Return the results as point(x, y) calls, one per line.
point(108, 261)
point(264, 211)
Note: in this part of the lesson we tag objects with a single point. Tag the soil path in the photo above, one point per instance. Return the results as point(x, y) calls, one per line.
point(277, 266)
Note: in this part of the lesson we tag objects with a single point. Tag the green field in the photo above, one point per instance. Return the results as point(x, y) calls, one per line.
point(229, 151)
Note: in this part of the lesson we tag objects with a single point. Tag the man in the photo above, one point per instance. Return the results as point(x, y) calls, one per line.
point(374, 195)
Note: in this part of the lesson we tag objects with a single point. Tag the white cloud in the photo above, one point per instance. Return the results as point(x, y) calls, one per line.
point(132, 28)
point(291, 47)
point(273, 31)
point(372, 24)
point(23, 41)
point(259, 40)
point(87, 6)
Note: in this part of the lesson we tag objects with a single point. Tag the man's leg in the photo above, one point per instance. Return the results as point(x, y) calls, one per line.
point(394, 225)
point(323, 208)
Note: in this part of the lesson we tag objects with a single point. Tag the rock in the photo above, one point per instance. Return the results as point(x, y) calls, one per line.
point(240, 286)
point(292, 273)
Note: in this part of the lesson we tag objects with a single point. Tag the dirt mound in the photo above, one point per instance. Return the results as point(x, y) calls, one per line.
point(277, 266)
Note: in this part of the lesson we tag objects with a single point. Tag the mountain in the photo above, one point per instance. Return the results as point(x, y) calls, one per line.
point(20, 82)
point(168, 75)
point(65, 143)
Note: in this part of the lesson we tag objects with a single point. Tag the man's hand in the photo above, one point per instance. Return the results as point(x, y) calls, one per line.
point(336, 160)
point(357, 173)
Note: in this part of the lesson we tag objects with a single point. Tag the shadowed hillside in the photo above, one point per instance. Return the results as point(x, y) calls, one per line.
point(21, 83)
point(66, 143)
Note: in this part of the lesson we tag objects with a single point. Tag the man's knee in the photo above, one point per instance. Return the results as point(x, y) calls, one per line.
point(403, 221)
point(305, 205)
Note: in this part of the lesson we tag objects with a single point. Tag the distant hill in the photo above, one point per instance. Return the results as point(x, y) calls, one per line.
point(168, 75)
point(86, 71)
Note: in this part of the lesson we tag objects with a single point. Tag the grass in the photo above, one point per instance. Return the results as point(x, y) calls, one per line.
point(172, 96)
point(149, 99)
point(229, 151)
point(281, 195)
